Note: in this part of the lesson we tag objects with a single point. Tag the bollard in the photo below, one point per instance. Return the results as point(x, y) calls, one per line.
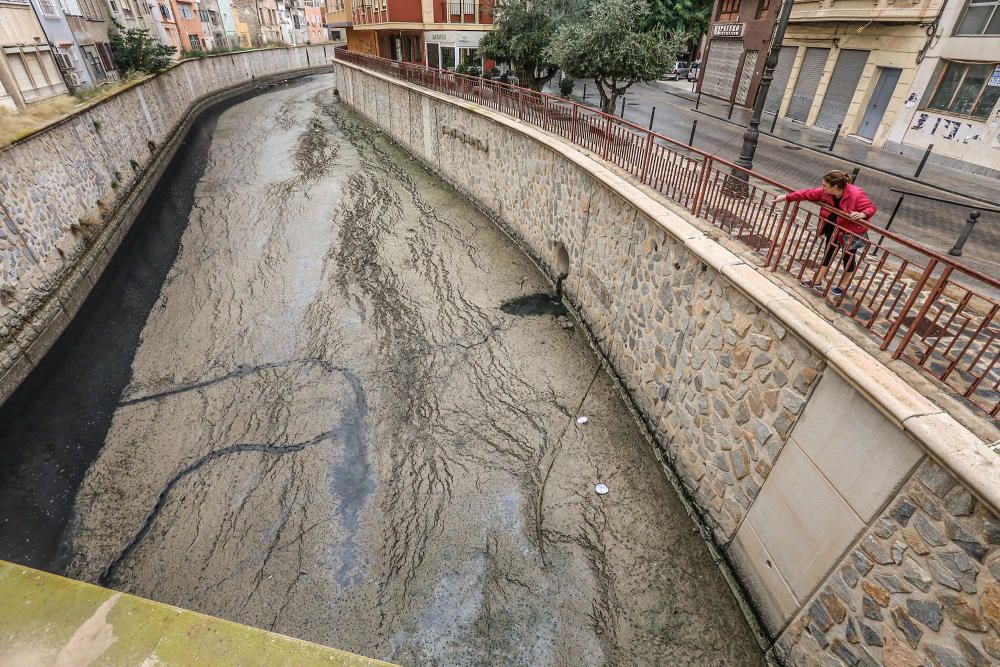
point(697, 100)
point(774, 121)
point(694, 126)
point(622, 114)
point(836, 134)
point(652, 115)
point(892, 216)
point(584, 92)
point(730, 114)
point(854, 174)
point(923, 161)
point(964, 236)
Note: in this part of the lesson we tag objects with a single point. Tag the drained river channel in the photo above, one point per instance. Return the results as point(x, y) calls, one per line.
point(318, 392)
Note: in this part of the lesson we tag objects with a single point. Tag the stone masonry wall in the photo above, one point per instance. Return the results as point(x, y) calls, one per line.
point(921, 586)
point(59, 186)
point(718, 380)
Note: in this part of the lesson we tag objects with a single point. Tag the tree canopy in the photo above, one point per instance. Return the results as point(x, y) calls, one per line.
point(137, 51)
point(690, 17)
point(610, 46)
point(522, 31)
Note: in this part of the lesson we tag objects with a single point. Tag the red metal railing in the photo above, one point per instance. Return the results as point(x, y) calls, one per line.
point(922, 306)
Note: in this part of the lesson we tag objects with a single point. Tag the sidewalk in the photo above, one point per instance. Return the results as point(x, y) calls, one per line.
point(954, 182)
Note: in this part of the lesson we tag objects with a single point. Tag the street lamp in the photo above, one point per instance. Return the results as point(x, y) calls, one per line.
point(750, 137)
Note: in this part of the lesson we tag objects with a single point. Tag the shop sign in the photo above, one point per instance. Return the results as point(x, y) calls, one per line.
point(995, 77)
point(468, 38)
point(727, 30)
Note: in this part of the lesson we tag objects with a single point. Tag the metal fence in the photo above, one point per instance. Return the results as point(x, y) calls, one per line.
point(922, 306)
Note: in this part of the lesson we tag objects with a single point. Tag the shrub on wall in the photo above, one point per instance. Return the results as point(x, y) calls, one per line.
point(136, 50)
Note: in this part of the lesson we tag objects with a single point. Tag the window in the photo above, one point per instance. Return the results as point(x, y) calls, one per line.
point(729, 10)
point(48, 7)
point(195, 42)
point(165, 11)
point(203, 15)
point(982, 17)
point(962, 89)
point(185, 11)
point(762, 8)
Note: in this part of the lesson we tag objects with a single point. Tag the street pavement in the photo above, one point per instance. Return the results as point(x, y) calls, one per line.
point(932, 224)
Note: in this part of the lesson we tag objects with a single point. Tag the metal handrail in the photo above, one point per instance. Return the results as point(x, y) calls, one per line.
point(916, 308)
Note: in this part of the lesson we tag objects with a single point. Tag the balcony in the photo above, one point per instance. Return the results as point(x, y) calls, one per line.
point(464, 11)
point(880, 11)
point(367, 12)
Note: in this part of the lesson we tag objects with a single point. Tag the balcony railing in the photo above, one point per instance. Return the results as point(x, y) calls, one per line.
point(466, 11)
point(920, 305)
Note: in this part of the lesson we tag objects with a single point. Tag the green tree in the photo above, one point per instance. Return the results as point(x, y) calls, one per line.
point(522, 31)
point(136, 50)
point(610, 46)
point(690, 17)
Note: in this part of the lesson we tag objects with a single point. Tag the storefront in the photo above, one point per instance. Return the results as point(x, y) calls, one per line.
point(739, 39)
point(446, 49)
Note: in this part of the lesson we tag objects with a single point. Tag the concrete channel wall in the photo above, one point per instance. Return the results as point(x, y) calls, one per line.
point(70, 192)
point(859, 517)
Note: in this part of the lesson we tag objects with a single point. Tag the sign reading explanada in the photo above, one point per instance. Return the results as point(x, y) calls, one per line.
point(995, 77)
point(727, 30)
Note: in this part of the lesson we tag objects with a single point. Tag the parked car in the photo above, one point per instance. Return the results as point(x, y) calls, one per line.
point(678, 72)
point(694, 71)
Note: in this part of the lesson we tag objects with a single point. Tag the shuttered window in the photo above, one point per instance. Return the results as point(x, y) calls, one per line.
point(840, 91)
point(749, 65)
point(779, 82)
point(720, 70)
point(805, 86)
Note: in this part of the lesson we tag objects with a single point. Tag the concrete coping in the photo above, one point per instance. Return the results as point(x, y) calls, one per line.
point(935, 430)
point(48, 619)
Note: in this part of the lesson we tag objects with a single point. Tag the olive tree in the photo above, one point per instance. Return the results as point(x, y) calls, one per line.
point(522, 31)
point(609, 46)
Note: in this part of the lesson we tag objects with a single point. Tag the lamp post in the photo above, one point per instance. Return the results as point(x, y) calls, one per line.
point(750, 137)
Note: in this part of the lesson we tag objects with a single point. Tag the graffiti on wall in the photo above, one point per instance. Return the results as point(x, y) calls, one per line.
point(950, 129)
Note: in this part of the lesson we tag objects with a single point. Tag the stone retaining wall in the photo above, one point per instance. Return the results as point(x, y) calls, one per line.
point(810, 461)
point(69, 192)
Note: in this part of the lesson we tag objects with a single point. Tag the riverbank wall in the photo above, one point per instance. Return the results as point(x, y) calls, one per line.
point(858, 516)
point(70, 192)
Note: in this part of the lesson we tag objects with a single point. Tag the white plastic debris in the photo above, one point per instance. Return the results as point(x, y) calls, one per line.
point(601, 489)
point(582, 419)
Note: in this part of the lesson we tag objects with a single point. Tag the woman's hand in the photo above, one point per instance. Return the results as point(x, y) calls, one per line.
point(856, 215)
point(780, 198)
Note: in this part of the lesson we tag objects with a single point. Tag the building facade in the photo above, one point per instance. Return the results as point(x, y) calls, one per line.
point(68, 55)
point(28, 69)
point(436, 33)
point(954, 99)
point(846, 66)
point(739, 38)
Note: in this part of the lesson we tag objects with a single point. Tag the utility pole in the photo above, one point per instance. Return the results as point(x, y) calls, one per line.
point(752, 134)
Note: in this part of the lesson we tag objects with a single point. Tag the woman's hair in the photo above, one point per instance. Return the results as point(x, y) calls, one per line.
point(837, 178)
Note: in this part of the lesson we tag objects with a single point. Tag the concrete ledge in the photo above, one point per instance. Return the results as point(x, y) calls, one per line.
point(952, 444)
point(51, 620)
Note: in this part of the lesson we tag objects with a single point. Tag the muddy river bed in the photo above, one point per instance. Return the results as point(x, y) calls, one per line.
point(306, 397)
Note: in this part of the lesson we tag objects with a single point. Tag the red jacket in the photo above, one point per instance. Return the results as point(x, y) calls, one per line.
point(853, 199)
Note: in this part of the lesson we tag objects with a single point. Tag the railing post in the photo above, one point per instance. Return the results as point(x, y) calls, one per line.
point(520, 103)
point(573, 130)
point(545, 113)
point(699, 193)
point(910, 300)
point(647, 156)
point(784, 229)
point(607, 138)
point(922, 313)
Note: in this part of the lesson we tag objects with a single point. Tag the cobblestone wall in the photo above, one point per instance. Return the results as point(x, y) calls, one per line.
point(58, 187)
point(921, 586)
point(718, 380)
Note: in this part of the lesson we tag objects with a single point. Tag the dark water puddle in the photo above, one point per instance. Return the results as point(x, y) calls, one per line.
point(53, 427)
point(541, 303)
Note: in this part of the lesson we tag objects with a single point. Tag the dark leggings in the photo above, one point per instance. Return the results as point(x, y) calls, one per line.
point(827, 231)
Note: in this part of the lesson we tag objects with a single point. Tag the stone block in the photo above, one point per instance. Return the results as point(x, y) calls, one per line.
point(844, 435)
point(762, 578)
point(802, 521)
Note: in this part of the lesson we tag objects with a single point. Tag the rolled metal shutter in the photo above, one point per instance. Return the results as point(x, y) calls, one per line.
point(843, 85)
point(776, 93)
point(805, 87)
point(720, 70)
point(749, 65)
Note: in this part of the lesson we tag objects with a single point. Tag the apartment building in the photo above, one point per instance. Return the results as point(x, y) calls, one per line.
point(315, 22)
point(739, 39)
point(69, 56)
point(340, 24)
point(28, 69)
point(436, 33)
point(257, 22)
point(953, 101)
